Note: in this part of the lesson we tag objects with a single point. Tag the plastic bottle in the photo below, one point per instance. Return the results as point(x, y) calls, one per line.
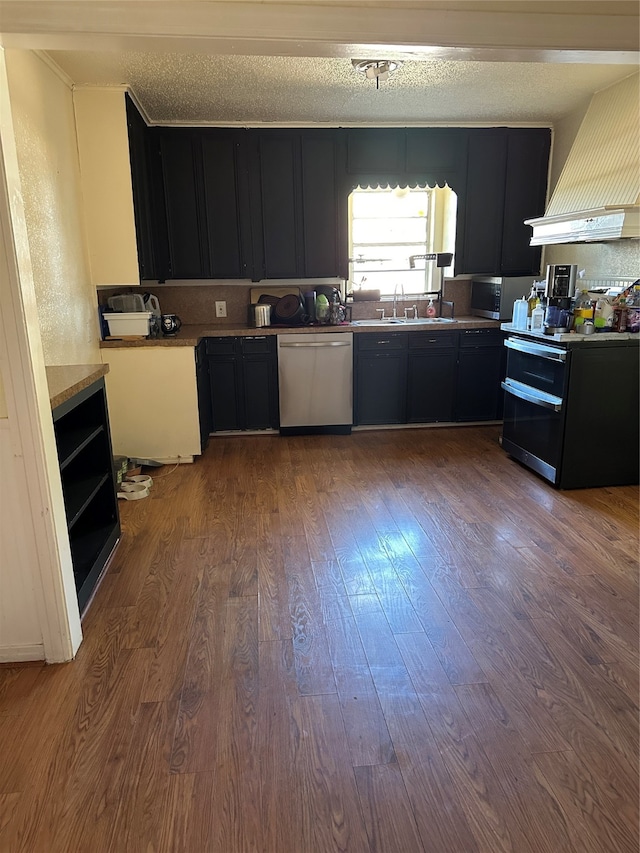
point(582, 310)
point(520, 307)
point(532, 301)
point(431, 309)
point(322, 308)
point(537, 318)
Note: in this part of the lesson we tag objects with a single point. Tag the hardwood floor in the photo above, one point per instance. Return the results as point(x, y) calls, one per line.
point(395, 641)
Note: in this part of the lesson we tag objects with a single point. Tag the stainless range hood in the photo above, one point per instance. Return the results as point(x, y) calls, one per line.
point(597, 196)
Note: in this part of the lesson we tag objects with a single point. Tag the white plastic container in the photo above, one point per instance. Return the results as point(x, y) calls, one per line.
point(520, 308)
point(134, 323)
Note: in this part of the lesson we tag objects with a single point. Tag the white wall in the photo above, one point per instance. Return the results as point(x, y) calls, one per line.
point(41, 267)
point(44, 127)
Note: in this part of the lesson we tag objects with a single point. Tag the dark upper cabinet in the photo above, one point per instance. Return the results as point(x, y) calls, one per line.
point(525, 194)
point(480, 216)
point(184, 192)
point(230, 203)
point(437, 154)
point(281, 204)
point(148, 196)
point(376, 152)
point(207, 202)
point(505, 184)
point(303, 214)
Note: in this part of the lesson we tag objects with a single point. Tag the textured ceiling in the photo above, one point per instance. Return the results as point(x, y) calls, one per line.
point(202, 89)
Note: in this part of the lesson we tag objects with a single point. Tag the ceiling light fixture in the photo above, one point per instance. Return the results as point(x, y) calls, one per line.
point(376, 69)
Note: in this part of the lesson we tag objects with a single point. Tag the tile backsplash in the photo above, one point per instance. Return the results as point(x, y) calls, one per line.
point(195, 303)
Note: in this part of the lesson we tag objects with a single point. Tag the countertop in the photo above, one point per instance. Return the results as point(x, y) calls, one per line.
point(65, 380)
point(190, 335)
point(572, 337)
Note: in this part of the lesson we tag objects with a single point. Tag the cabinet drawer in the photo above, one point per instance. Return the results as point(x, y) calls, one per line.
point(432, 340)
point(222, 346)
point(481, 338)
point(383, 342)
point(259, 345)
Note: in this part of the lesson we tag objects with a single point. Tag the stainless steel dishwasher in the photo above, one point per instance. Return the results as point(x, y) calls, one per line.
point(315, 376)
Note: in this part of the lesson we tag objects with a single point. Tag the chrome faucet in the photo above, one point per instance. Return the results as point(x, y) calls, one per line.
point(395, 299)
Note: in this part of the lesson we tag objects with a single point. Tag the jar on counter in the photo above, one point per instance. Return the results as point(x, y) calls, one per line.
point(633, 310)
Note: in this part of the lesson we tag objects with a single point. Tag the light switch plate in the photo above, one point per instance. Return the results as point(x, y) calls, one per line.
point(221, 309)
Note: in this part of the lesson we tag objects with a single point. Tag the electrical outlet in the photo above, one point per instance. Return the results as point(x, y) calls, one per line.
point(221, 309)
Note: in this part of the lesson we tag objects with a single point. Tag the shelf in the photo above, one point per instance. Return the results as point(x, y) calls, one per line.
point(72, 442)
point(90, 552)
point(80, 493)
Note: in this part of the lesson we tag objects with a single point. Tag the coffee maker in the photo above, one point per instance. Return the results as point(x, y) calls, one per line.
point(559, 292)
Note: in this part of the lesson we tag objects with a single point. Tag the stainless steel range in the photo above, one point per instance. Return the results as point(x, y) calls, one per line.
point(571, 407)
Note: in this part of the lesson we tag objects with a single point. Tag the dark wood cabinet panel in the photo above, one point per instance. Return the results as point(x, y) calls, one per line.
point(244, 382)
point(203, 385)
point(506, 184)
point(525, 195)
point(321, 206)
point(380, 379)
point(148, 196)
point(437, 154)
point(184, 192)
point(481, 368)
point(224, 229)
point(376, 152)
point(484, 201)
point(281, 208)
point(431, 377)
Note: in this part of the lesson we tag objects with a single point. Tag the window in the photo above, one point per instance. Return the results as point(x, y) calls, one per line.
point(390, 225)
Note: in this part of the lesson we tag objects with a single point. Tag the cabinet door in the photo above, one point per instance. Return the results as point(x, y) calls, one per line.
point(141, 186)
point(525, 194)
point(431, 383)
point(321, 209)
point(224, 378)
point(481, 213)
point(381, 388)
point(281, 208)
point(225, 209)
point(260, 392)
point(478, 391)
point(376, 153)
point(182, 170)
point(436, 154)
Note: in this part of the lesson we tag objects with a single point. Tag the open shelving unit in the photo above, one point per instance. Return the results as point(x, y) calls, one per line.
point(83, 439)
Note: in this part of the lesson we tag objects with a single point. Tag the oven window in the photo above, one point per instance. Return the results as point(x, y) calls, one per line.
point(535, 429)
point(544, 374)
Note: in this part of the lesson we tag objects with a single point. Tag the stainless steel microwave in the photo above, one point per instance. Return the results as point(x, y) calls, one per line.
point(493, 296)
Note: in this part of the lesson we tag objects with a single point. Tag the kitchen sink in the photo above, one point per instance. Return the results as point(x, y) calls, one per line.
point(418, 321)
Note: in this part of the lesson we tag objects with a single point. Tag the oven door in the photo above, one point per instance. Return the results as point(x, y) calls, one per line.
point(537, 365)
point(533, 428)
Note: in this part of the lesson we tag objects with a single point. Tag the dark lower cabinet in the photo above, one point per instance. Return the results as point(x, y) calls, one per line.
point(481, 369)
point(428, 377)
point(380, 378)
point(243, 378)
point(204, 393)
point(83, 440)
point(431, 377)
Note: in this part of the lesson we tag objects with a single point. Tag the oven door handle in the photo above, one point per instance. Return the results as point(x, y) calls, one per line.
point(541, 350)
point(531, 395)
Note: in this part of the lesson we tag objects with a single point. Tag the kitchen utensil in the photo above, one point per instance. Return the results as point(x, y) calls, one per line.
point(289, 310)
point(127, 302)
point(170, 324)
point(262, 315)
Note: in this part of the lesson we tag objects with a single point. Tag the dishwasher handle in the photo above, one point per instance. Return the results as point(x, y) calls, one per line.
point(316, 344)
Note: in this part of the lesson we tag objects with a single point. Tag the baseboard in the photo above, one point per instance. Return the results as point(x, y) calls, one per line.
point(21, 654)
